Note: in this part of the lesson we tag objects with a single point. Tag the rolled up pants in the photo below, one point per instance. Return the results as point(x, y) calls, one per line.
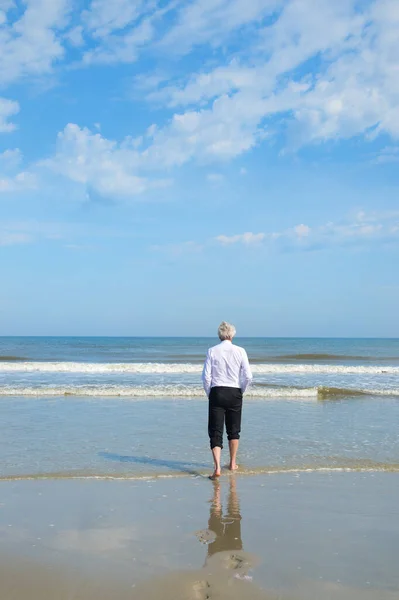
point(225, 406)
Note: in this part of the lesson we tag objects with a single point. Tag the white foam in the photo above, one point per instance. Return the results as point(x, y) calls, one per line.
point(180, 368)
point(185, 391)
point(161, 391)
point(188, 391)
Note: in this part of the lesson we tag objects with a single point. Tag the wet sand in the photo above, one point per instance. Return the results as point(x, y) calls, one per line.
point(313, 536)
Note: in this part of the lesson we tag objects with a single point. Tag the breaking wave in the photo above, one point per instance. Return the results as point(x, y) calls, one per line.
point(187, 391)
point(330, 357)
point(145, 391)
point(181, 368)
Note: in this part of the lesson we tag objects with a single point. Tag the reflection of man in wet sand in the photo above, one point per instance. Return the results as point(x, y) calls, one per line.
point(225, 555)
point(225, 575)
point(227, 527)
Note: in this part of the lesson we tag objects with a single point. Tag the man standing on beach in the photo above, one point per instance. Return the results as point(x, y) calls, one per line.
point(226, 376)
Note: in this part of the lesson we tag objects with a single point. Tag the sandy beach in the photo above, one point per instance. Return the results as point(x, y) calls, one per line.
point(105, 495)
point(330, 536)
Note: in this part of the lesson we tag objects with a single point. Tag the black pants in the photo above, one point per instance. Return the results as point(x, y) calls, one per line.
point(225, 404)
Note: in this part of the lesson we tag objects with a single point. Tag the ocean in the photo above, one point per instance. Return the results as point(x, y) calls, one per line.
point(134, 407)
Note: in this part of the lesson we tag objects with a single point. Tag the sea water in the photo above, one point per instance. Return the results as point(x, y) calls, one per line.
point(134, 407)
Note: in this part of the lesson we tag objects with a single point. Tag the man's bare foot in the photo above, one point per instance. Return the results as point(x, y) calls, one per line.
point(233, 467)
point(214, 476)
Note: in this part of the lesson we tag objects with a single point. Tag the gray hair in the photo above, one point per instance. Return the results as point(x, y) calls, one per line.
point(226, 331)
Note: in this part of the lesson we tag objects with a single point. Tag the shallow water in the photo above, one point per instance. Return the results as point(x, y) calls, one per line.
point(121, 437)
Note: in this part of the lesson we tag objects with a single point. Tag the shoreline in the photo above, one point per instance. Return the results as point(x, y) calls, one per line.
point(190, 474)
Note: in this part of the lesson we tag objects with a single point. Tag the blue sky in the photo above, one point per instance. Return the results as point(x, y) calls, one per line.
point(165, 164)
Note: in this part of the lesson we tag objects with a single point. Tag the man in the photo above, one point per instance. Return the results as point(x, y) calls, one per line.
point(226, 376)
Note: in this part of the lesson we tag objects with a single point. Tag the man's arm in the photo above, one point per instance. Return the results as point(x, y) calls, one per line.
point(245, 373)
point(207, 374)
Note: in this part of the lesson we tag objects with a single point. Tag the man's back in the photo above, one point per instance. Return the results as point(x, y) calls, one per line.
point(226, 365)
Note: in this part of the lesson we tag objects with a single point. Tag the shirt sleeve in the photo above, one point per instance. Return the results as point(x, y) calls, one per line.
point(207, 374)
point(245, 373)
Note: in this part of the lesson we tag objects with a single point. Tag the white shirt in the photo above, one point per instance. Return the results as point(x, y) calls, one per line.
point(226, 365)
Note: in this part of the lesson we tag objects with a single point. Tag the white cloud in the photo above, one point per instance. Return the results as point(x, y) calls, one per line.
point(18, 183)
point(75, 36)
point(304, 29)
point(129, 168)
point(30, 45)
point(10, 160)
point(12, 178)
point(8, 108)
point(360, 89)
point(229, 128)
point(211, 21)
point(350, 88)
point(247, 238)
point(202, 87)
point(122, 49)
point(147, 82)
point(328, 68)
point(123, 28)
point(363, 228)
point(324, 70)
point(5, 6)
point(103, 17)
point(111, 169)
